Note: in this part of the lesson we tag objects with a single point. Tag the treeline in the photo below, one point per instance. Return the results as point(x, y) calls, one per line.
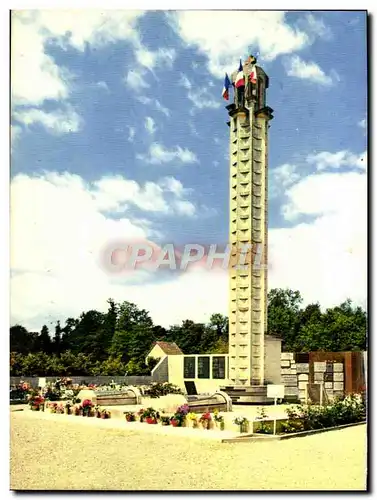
point(117, 341)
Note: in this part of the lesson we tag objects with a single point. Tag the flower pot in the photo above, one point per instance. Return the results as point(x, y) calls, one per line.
point(174, 423)
point(151, 420)
point(244, 427)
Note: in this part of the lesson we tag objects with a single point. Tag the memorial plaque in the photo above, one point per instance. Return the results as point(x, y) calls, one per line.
point(302, 385)
point(338, 377)
point(291, 391)
point(338, 386)
point(286, 355)
point(218, 367)
point(328, 385)
point(286, 371)
point(203, 367)
point(303, 377)
point(285, 363)
point(329, 377)
point(314, 393)
point(289, 380)
point(318, 376)
point(189, 367)
point(302, 367)
point(338, 367)
point(319, 366)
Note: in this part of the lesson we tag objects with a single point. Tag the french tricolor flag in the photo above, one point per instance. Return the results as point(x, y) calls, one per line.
point(240, 78)
point(253, 74)
point(226, 87)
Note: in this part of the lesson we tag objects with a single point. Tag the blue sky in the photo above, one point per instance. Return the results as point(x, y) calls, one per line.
point(119, 130)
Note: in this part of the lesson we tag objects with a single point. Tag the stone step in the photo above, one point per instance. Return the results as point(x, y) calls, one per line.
point(250, 394)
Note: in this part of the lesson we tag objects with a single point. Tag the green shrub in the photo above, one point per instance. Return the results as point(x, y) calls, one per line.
point(348, 410)
point(159, 389)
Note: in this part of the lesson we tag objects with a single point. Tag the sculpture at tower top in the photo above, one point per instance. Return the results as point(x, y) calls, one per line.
point(245, 82)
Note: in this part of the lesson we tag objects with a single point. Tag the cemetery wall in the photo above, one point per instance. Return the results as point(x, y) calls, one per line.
point(80, 379)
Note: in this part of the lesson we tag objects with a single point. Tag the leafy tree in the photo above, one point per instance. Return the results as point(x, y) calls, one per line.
point(57, 338)
point(83, 336)
point(113, 366)
point(221, 324)
point(21, 340)
point(220, 347)
point(187, 336)
point(44, 342)
point(283, 311)
point(35, 364)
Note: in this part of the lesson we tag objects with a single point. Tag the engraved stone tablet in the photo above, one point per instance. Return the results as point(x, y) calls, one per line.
point(303, 377)
point(318, 377)
point(291, 391)
point(289, 380)
point(338, 377)
point(338, 386)
point(286, 371)
point(328, 385)
point(302, 367)
point(338, 367)
point(286, 355)
point(319, 366)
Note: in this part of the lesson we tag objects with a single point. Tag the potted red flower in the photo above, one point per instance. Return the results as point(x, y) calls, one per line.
point(174, 422)
point(87, 408)
point(36, 402)
point(206, 420)
point(151, 416)
point(151, 420)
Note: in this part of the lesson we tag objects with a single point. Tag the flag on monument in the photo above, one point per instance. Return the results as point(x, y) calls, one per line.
point(240, 78)
point(226, 87)
point(253, 74)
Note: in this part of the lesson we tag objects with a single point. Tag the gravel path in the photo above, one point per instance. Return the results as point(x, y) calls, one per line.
point(62, 455)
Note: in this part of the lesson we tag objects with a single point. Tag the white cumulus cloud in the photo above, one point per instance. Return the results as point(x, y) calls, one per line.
point(150, 125)
point(326, 259)
point(60, 121)
point(298, 68)
point(224, 36)
point(136, 80)
point(325, 159)
point(158, 154)
point(161, 57)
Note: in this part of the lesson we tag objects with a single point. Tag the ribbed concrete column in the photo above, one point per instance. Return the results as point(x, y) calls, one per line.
point(248, 225)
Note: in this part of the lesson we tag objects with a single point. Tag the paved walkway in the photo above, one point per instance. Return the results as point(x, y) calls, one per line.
point(52, 454)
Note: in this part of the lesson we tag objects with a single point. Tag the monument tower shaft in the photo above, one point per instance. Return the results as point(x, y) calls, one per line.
point(248, 225)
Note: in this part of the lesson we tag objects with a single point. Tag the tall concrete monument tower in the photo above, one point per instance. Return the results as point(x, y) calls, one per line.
point(249, 123)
